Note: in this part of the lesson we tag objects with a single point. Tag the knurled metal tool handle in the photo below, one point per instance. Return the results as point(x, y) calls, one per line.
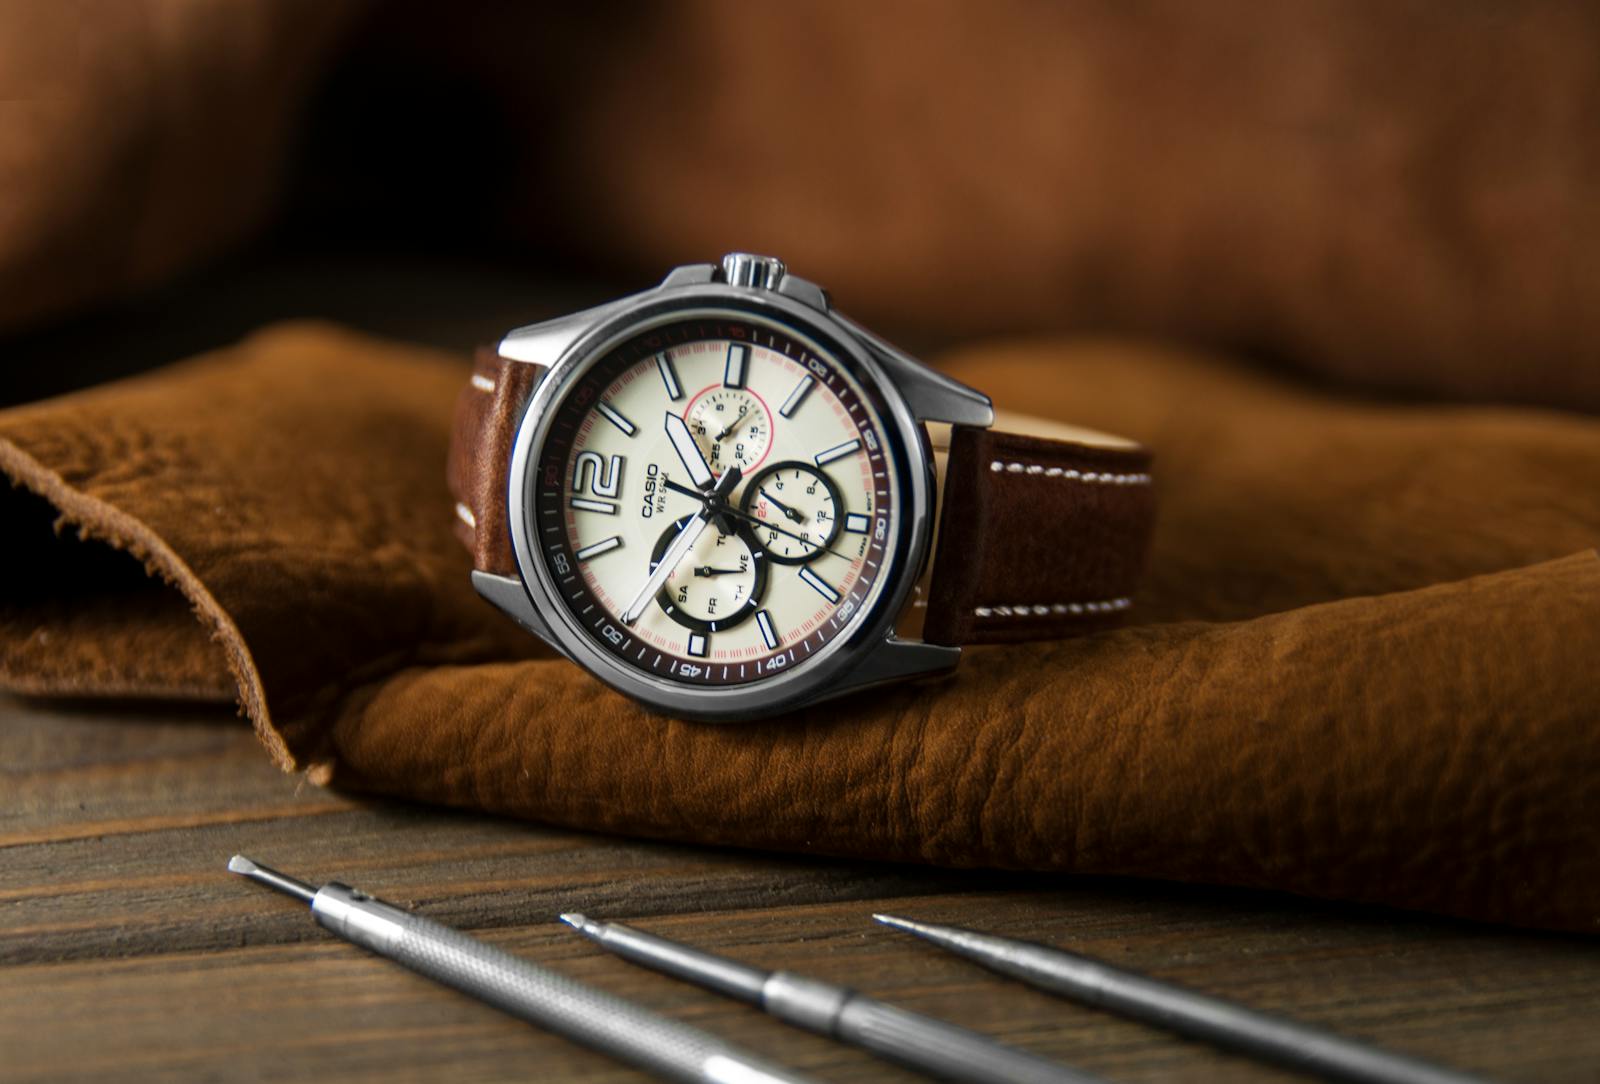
point(543, 997)
point(924, 1043)
point(937, 1047)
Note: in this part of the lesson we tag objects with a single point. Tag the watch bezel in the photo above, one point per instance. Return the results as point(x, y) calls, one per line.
point(829, 670)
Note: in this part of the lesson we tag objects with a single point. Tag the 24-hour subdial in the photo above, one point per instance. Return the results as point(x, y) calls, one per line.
point(803, 507)
point(732, 427)
point(717, 584)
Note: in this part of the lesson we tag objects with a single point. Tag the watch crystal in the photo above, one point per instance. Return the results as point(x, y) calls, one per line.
point(714, 500)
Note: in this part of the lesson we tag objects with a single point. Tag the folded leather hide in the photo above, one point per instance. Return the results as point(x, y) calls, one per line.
point(1397, 195)
point(140, 137)
point(1364, 666)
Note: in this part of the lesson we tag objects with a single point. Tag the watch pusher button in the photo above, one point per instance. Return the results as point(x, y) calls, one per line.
point(752, 271)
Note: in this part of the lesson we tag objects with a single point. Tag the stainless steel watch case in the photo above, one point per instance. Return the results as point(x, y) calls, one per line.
point(910, 394)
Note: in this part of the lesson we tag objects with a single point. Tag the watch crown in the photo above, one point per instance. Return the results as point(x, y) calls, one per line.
point(752, 271)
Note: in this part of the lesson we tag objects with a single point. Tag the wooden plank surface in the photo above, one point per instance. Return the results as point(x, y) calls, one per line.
point(128, 952)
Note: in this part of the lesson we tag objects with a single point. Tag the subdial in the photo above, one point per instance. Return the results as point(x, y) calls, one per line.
point(802, 504)
point(732, 427)
point(717, 584)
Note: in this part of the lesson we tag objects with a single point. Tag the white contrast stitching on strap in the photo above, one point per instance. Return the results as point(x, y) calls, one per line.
point(465, 515)
point(1055, 609)
point(1067, 473)
point(482, 383)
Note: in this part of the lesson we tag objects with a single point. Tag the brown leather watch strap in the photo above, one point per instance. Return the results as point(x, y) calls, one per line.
point(1039, 538)
point(487, 414)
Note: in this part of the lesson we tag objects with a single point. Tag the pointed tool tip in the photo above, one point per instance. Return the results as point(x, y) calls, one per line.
point(897, 922)
point(581, 923)
point(240, 864)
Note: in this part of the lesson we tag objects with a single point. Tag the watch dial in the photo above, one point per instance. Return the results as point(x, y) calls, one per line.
point(714, 500)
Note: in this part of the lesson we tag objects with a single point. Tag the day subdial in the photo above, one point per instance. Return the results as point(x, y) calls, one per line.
point(717, 584)
point(732, 427)
point(799, 508)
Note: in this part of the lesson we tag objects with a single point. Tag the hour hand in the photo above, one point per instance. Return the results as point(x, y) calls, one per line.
point(688, 451)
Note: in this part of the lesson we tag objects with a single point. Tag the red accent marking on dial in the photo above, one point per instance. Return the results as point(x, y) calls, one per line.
point(772, 437)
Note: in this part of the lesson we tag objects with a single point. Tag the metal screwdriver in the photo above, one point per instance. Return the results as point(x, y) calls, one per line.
point(546, 998)
point(931, 1046)
point(1126, 993)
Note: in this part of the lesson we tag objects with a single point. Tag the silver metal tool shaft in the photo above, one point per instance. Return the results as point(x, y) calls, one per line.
point(552, 1001)
point(1165, 1005)
point(920, 1042)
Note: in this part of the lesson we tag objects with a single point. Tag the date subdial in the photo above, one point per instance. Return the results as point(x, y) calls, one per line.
point(732, 427)
point(799, 500)
point(717, 584)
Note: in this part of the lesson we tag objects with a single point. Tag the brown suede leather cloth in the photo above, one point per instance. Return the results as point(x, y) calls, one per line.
point(1363, 666)
point(141, 136)
point(1399, 194)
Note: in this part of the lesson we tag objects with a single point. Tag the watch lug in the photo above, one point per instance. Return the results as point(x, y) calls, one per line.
point(542, 344)
point(894, 659)
point(693, 274)
point(932, 396)
point(508, 595)
point(806, 292)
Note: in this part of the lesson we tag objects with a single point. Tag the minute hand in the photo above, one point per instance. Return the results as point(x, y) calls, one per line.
point(685, 540)
point(680, 545)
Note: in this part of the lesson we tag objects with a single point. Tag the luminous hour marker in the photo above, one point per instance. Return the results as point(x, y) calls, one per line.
point(669, 376)
point(605, 545)
point(838, 451)
point(856, 522)
point(796, 397)
point(764, 621)
point(822, 586)
point(611, 415)
point(697, 645)
point(586, 505)
point(733, 369)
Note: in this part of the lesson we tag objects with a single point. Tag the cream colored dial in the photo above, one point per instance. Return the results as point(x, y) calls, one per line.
point(751, 590)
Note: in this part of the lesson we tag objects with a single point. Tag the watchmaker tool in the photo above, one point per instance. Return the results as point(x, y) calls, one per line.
point(920, 1042)
point(1297, 1046)
point(540, 996)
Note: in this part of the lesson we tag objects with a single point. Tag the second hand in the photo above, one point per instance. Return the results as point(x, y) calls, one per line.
point(728, 509)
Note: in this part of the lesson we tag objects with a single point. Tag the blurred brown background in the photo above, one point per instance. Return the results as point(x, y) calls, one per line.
point(1398, 196)
point(1378, 202)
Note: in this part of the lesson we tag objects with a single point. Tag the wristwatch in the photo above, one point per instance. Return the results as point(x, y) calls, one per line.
point(727, 500)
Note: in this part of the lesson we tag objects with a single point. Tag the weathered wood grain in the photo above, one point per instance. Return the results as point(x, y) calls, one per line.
point(127, 951)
